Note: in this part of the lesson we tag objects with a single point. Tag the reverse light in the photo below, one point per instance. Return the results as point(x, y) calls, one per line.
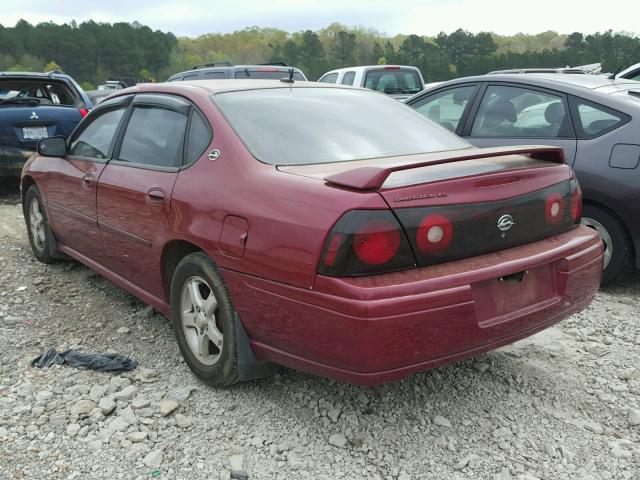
point(434, 233)
point(554, 209)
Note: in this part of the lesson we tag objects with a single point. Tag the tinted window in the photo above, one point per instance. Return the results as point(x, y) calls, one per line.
point(95, 139)
point(154, 137)
point(393, 80)
point(34, 91)
point(191, 76)
point(348, 77)
point(520, 112)
point(267, 74)
point(594, 120)
point(199, 137)
point(445, 108)
point(214, 75)
point(330, 78)
point(286, 126)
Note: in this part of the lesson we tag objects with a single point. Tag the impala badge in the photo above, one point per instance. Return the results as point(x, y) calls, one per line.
point(505, 222)
point(34, 116)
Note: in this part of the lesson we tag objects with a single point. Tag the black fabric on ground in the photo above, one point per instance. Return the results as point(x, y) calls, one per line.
point(103, 362)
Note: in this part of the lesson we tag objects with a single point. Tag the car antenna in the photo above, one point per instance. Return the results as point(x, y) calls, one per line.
point(290, 79)
point(613, 75)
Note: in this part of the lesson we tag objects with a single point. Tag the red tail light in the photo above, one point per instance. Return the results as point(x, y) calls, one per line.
point(366, 242)
point(83, 112)
point(434, 234)
point(554, 209)
point(376, 242)
point(576, 200)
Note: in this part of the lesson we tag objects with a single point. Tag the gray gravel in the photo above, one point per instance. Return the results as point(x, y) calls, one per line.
point(562, 404)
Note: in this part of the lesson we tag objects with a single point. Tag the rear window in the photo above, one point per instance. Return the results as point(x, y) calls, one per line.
point(396, 80)
point(267, 74)
point(284, 126)
point(37, 92)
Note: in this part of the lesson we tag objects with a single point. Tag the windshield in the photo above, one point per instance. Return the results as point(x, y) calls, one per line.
point(393, 80)
point(293, 126)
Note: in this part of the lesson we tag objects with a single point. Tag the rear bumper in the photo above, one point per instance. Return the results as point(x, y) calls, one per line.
point(12, 160)
point(374, 329)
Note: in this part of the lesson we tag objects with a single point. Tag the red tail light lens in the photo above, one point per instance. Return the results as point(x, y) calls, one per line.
point(554, 209)
point(576, 200)
point(366, 242)
point(83, 112)
point(376, 242)
point(434, 234)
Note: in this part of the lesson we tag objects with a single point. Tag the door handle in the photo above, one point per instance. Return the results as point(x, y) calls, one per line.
point(156, 195)
point(88, 179)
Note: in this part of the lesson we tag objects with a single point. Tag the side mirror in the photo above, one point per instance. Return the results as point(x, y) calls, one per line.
point(52, 147)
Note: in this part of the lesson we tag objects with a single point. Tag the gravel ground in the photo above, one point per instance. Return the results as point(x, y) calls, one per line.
point(562, 404)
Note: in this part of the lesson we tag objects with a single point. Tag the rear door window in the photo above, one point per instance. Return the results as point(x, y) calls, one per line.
point(154, 137)
point(214, 75)
point(521, 112)
point(446, 107)
point(348, 77)
point(96, 139)
point(595, 120)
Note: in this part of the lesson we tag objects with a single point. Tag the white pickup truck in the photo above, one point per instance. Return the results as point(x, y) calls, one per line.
point(398, 81)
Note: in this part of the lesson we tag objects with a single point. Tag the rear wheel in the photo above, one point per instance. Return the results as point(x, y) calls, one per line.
point(40, 236)
point(618, 250)
point(203, 320)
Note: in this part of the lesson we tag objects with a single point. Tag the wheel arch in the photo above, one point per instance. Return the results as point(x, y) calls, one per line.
point(172, 252)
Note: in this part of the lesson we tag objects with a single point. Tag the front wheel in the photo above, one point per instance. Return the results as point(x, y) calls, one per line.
point(203, 320)
point(618, 250)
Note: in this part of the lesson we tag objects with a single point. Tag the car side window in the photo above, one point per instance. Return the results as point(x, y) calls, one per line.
point(214, 75)
point(94, 141)
point(446, 107)
point(191, 76)
point(154, 137)
point(199, 137)
point(594, 120)
point(348, 77)
point(521, 112)
point(330, 78)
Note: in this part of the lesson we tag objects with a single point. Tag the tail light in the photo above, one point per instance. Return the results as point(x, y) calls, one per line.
point(434, 234)
point(576, 200)
point(554, 209)
point(366, 242)
point(83, 112)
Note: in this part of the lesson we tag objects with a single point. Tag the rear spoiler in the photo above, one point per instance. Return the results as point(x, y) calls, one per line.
point(373, 177)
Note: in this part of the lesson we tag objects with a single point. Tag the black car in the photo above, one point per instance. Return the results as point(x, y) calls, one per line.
point(594, 118)
point(226, 70)
point(34, 106)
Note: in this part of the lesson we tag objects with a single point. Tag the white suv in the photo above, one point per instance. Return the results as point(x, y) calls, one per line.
point(398, 81)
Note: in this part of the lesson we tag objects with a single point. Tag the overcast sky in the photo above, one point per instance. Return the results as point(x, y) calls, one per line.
point(425, 17)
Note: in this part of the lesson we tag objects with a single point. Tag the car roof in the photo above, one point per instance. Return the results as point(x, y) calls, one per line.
point(228, 85)
point(589, 82)
point(361, 68)
point(35, 74)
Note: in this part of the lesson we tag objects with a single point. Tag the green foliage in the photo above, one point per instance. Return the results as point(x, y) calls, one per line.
point(93, 51)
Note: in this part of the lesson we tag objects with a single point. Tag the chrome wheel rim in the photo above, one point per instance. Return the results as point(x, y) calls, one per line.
point(604, 235)
point(198, 306)
point(36, 224)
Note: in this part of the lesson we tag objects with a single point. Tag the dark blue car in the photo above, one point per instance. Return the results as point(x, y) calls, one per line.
point(34, 106)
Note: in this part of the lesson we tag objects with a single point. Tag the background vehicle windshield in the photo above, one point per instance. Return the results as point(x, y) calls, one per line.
point(398, 80)
point(290, 126)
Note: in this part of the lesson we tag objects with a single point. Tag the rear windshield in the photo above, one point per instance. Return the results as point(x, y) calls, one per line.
point(393, 80)
point(267, 74)
point(300, 126)
point(36, 92)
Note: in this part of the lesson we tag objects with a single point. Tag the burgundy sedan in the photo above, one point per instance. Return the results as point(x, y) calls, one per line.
point(326, 228)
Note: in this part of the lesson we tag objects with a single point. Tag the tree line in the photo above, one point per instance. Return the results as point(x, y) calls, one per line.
point(93, 51)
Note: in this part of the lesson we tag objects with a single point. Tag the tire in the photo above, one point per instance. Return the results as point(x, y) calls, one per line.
point(617, 243)
point(41, 238)
point(205, 333)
